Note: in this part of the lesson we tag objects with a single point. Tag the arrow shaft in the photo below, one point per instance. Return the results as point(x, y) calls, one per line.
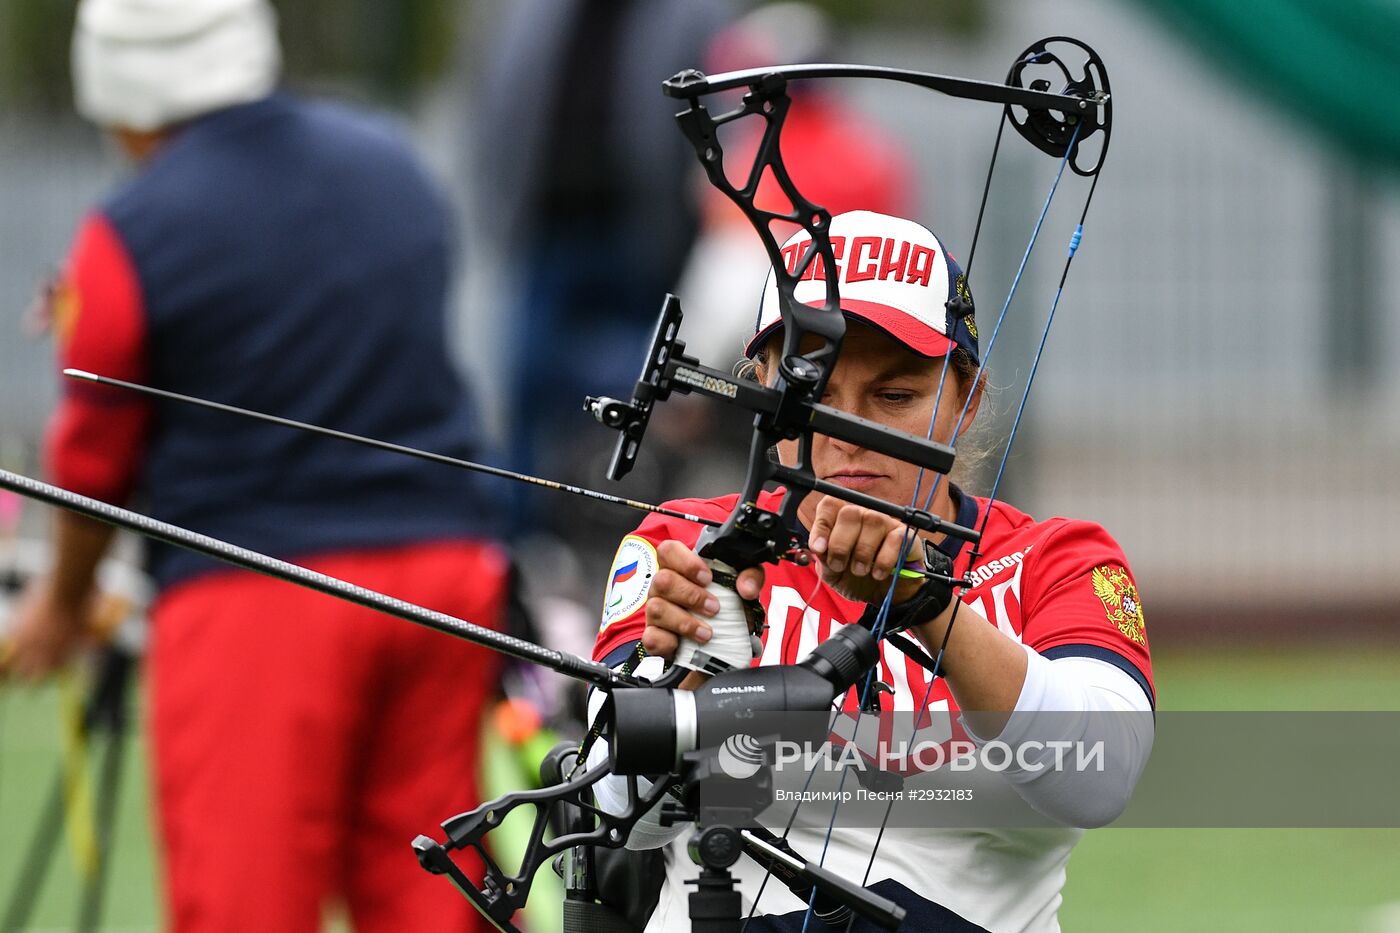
point(483, 468)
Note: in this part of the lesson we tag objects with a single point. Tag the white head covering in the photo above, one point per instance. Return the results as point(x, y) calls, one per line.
point(146, 64)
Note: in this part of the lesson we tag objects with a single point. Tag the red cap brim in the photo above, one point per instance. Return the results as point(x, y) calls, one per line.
point(899, 325)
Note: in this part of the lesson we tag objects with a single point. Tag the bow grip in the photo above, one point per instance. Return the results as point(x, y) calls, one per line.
point(735, 642)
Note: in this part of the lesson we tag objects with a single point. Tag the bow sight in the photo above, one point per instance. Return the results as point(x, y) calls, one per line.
point(673, 737)
point(753, 536)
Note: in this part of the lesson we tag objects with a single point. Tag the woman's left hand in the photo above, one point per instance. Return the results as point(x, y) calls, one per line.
point(858, 550)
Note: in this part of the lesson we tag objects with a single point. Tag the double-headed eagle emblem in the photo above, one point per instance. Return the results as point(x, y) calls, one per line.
point(1120, 600)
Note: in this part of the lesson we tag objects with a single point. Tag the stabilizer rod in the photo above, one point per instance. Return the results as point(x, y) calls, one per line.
point(568, 664)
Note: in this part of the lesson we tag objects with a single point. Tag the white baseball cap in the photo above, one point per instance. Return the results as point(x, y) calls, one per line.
point(895, 276)
point(148, 64)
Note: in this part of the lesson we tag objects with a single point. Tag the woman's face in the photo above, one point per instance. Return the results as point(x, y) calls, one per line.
point(878, 379)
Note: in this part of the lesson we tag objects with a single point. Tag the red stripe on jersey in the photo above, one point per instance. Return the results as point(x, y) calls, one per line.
point(94, 439)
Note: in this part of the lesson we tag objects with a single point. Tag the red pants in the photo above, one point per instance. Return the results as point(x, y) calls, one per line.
point(300, 742)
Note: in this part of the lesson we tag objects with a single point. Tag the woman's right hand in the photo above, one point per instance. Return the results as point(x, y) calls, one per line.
point(859, 549)
point(678, 604)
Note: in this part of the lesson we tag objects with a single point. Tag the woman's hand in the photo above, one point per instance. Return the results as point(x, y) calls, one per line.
point(677, 603)
point(858, 550)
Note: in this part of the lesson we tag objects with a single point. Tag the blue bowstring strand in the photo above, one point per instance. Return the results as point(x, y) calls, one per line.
point(1035, 364)
point(1011, 438)
point(981, 368)
point(932, 422)
point(1006, 305)
point(882, 617)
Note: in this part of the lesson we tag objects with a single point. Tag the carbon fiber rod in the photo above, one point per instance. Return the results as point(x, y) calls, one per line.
point(568, 664)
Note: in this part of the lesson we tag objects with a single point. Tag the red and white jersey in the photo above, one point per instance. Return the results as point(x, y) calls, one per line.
point(1061, 587)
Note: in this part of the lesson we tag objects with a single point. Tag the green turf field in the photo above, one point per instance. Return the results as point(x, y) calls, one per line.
point(1140, 880)
point(1259, 879)
point(30, 752)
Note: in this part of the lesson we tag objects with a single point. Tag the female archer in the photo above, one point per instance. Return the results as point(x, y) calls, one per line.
point(1051, 621)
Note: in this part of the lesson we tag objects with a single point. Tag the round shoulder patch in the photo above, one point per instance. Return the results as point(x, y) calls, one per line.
point(629, 579)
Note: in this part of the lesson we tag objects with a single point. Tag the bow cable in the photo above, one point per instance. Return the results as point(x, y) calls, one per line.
point(996, 485)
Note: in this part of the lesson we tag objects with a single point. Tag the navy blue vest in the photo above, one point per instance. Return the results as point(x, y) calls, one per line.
point(293, 258)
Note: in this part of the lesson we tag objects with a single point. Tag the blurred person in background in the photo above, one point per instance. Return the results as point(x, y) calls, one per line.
point(291, 257)
point(836, 158)
point(583, 191)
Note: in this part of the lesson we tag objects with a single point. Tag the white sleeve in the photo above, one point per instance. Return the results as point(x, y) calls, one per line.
point(1091, 704)
point(610, 793)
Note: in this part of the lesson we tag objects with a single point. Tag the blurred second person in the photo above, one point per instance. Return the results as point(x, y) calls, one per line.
point(292, 257)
